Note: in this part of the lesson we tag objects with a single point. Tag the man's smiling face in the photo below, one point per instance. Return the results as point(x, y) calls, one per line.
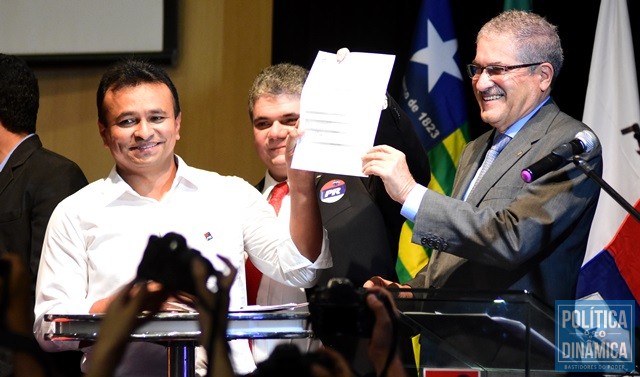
point(141, 128)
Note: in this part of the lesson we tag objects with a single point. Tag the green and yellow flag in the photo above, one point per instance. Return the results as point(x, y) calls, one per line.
point(518, 4)
point(434, 99)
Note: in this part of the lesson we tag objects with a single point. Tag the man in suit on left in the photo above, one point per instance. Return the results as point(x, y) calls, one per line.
point(33, 180)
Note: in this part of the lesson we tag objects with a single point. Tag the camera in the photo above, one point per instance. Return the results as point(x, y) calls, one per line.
point(167, 260)
point(339, 310)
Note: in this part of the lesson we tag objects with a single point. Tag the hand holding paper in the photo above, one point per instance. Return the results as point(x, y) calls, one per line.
point(339, 111)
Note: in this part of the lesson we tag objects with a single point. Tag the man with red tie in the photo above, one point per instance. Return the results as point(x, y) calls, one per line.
point(363, 222)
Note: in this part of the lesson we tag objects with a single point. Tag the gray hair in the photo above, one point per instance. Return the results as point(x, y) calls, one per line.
point(278, 79)
point(536, 39)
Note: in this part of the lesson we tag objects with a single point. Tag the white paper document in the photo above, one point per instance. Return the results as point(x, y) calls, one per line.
point(268, 308)
point(339, 111)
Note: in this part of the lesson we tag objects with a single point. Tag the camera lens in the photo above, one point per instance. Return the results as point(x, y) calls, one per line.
point(340, 310)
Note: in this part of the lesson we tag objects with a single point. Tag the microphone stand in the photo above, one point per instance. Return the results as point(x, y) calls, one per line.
point(580, 163)
point(635, 128)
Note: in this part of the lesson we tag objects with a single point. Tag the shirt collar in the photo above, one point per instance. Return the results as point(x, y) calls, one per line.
point(118, 188)
point(269, 183)
point(6, 159)
point(517, 126)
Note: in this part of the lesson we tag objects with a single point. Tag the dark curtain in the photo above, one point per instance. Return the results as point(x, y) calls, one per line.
point(301, 28)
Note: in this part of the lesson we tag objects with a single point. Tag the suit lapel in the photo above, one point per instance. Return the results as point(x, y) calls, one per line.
point(470, 163)
point(6, 176)
point(532, 131)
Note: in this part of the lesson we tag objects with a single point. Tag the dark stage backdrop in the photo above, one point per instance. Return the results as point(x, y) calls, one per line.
point(301, 28)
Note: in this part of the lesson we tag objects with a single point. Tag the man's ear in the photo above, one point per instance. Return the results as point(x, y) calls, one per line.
point(103, 133)
point(178, 124)
point(546, 76)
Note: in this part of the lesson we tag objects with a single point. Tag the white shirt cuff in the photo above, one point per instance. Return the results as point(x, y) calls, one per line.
point(411, 205)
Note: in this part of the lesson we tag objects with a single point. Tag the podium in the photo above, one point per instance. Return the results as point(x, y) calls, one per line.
point(180, 331)
point(493, 333)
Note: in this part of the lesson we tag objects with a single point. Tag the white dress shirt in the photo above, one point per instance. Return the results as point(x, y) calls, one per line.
point(97, 236)
point(272, 292)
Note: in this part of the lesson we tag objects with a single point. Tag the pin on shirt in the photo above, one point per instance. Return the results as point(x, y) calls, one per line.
point(333, 191)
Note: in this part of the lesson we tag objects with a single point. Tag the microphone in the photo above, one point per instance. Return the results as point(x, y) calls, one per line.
point(584, 142)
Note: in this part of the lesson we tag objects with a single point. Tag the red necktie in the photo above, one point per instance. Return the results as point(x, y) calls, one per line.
point(253, 274)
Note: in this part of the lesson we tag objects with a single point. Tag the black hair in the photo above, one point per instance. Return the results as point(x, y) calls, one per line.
point(130, 73)
point(19, 95)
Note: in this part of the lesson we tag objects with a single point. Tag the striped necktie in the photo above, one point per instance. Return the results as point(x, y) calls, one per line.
point(499, 142)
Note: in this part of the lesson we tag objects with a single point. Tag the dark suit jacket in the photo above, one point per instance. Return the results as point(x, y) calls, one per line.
point(510, 234)
point(32, 183)
point(364, 224)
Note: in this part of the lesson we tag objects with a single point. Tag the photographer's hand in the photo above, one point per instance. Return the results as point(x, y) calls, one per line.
point(383, 339)
point(123, 316)
point(213, 308)
point(339, 365)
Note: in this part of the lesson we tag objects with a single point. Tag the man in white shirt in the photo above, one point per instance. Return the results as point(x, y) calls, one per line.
point(96, 237)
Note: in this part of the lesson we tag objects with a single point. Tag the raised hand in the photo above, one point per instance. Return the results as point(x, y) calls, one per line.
point(133, 305)
point(389, 164)
point(212, 303)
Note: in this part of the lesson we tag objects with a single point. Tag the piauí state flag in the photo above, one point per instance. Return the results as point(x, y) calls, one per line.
point(433, 97)
point(612, 103)
point(614, 273)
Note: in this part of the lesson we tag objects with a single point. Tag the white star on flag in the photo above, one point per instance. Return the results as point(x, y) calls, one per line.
point(437, 56)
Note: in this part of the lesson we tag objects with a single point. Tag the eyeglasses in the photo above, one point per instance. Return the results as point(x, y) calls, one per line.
point(494, 70)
